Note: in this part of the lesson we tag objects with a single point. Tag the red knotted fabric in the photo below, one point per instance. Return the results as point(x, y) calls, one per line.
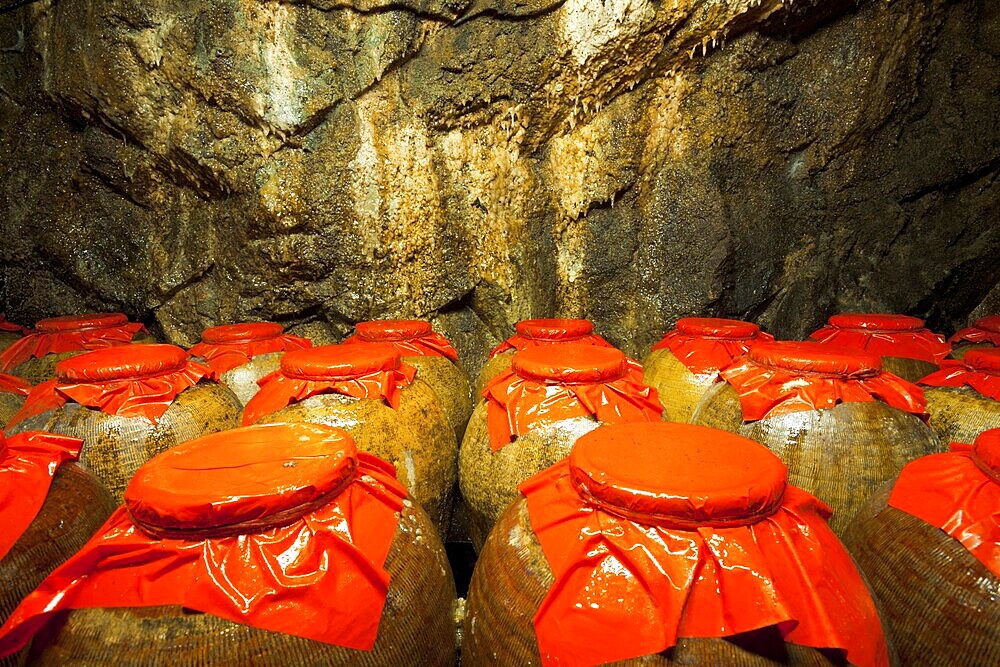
point(958, 492)
point(359, 371)
point(980, 370)
point(782, 377)
point(225, 347)
point(28, 462)
point(660, 531)
point(548, 384)
point(986, 330)
point(531, 333)
point(884, 335)
point(70, 333)
point(411, 338)
point(707, 344)
point(6, 325)
point(129, 381)
point(11, 384)
point(284, 527)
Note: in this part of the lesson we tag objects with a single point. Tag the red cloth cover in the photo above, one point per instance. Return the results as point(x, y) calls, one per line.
point(225, 347)
point(70, 333)
point(707, 344)
point(130, 381)
point(548, 384)
point(986, 330)
point(6, 325)
point(11, 384)
point(28, 461)
point(284, 527)
point(531, 333)
point(660, 531)
point(958, 492)
point(782, 377)
point(411, 338)
point(884, 335)
point(980, 370)
point(360, 371)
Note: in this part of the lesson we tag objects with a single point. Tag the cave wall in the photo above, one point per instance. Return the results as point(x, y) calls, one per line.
point(326, 161)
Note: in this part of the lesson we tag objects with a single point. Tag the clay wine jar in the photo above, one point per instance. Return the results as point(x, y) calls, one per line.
point(963, 398)
point(13, 391)
point(984, 333)
point(825, 413)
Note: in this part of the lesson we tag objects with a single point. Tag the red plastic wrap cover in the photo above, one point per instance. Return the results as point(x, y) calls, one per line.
point(28, 461)
point(548, 384)
point(283, 527)
point(12, 384)
point(411, 338)
point(129, 381)
point(980, 370)
point(783, 377)
point(958, 492)
point(707, 344)
point(6, 325)
point(225, 347)
point(986, 330)
point(359, 371)
point(70, 333)
point(884, 335)
point(660, 531)
point(531, 333)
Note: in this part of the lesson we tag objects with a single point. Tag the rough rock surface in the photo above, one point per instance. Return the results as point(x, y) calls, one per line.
point(325, 161)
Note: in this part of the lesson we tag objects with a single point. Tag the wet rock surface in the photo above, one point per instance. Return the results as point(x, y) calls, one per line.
point(478, 162)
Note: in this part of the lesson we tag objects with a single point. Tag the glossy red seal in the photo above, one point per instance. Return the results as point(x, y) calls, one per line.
point(884, 335)
point(11, 384)
point(70, 333)
point(531, 333)
point(411, 338)
point(284, 527)
point(985, 330)
point(980, 369)
point(230, 345)
point(659, 531)
point(6, 325)
point(708, 344)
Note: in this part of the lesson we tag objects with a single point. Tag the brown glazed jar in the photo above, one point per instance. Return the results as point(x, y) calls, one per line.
point(274, 545)
point(434, 357)
point(34, 356)
point(929, 546)
point(13, 391)
point(841, 424)
point(985, 333)
point(532, 415)
point(367, 391)
point(532, 333)
point(686, 363)
point(241, 354)
point(49, 506)
point(128, 404)
point(908, 348)
point(963, 398)
point(667, 544)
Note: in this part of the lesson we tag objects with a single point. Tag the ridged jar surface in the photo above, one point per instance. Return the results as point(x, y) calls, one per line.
point(9, 405)
point(450, 384)
point(40, 369)
point(940, 605)
point(959, 414)
point(840, 454)
point(512, 578)
point(911, 370)
point(115, 447)
point(415, 437)
point(679, 389)
point(416, 627)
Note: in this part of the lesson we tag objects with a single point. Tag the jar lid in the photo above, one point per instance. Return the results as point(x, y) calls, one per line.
point(339, 361)
point(877, 322)
point(678, 474)
point(716, 327)
point(392, 330)
point(990, 323)
point(807, 357)
point(985, 359)
point(249, 474)
point(554, 329)
point(124, 362)
point(244, 332)
point(987, 450)
point(81, 322)
point(571, 363)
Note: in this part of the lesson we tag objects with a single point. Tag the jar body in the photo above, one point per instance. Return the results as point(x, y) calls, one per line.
point(40, 369)
point(489, 479)
point(959, 414)
point(940, 604)
point(678, 388)
point(242, 379)
point(840, 454)
point(911, 370)
point(492, 368)
point(451, 385)
point(8, 338)
point(959, 349)
point(511, 579)
point(10, 403)
point(416, 625)
point(114, 447)
point(415, 437)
